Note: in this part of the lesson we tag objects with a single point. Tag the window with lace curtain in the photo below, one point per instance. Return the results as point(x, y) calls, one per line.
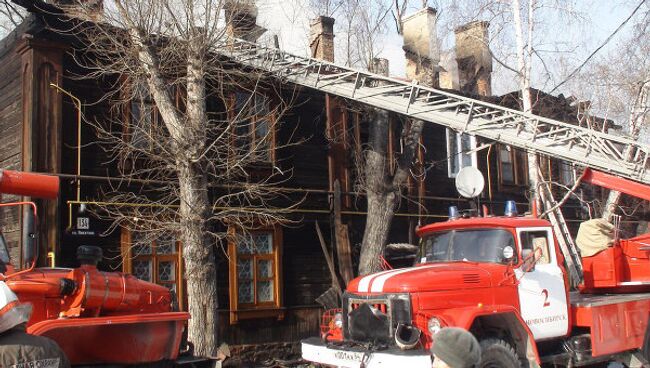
point(154, 258)
point(255, 273)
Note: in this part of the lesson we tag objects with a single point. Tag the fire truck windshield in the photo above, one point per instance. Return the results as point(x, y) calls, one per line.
point(475, 245)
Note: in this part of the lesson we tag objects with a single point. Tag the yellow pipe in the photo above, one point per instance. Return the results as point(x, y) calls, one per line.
point(77, 103)
point(487, 160)
point(52, 258)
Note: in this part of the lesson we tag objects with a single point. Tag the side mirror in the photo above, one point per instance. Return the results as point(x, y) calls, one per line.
point(29, 237)
point(529, 260)
point(508, 254)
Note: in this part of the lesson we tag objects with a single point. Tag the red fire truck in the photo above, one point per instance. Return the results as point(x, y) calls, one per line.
point(502, 278)
point(97, 318)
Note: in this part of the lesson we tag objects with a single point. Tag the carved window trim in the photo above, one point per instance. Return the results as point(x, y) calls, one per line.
point(130, 257)
point(128, 117)
point(266, 114)
point(238, 310)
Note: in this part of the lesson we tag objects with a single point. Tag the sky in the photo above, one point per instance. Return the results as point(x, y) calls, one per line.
point(289, 19)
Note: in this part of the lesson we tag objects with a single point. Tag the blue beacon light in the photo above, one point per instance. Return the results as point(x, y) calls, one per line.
point(511, 209)
point(453, 212)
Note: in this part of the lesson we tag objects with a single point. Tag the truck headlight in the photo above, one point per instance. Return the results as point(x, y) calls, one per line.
point(434, 325)
point(338, 320)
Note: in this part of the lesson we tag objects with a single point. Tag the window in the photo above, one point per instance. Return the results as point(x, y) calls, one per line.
point(460, 151)
point(513, 166)
point(254, 130)
point(255, 274)
point(337, 134)
point(536, 241)
point(142, 116)
point(475, 245)
point(154, 259)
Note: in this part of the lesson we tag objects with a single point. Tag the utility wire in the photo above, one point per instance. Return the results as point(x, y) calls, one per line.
point(609, 38)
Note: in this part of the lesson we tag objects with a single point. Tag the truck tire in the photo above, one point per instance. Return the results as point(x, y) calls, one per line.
point(497, 353)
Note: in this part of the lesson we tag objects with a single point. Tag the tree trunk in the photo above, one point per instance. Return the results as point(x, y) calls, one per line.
point(200, 268)
point(382, 190)
point(379, 194)
point(189, 139)
point(524, 64)
point(381, 208)
point(198, 254)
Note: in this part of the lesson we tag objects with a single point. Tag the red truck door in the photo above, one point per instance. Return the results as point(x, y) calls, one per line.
point(542, 292)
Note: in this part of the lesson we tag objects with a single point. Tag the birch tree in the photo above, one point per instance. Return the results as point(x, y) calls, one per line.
point(628, 88)
point(522, 47)
point(198, 161)
point(524, 52)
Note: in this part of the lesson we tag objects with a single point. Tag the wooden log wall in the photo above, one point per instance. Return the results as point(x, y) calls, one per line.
point(11, 134)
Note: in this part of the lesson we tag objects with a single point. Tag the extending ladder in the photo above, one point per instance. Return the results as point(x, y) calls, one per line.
point(583, 146)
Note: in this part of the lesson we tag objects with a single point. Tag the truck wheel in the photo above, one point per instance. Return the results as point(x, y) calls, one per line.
point(498, 353)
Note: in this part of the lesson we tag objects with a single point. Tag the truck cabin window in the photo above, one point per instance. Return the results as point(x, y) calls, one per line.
point(537, 242)
point(475, 245)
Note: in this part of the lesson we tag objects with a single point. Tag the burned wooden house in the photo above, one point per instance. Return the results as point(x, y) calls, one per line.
point(268, 296)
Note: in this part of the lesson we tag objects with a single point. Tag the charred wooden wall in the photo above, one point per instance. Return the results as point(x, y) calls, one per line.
point(11, 132)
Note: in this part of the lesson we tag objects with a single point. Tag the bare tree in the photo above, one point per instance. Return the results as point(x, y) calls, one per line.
point(192, 124)
point(628, 88)
point(524, 51)
point(365, 24)
point(383, 189)
point(615, 91)
point(520, 47)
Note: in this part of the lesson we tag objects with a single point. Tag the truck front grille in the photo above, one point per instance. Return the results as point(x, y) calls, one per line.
point(374, 318)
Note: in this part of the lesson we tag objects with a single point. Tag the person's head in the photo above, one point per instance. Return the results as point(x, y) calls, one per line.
point(12, 312)
point(455, 348)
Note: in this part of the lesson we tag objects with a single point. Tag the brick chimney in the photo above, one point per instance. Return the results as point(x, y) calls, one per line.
point(448, 75)
point(321, 38)
point(241, 20)
point(473, 58)
point(421, 46)
point(380, 66)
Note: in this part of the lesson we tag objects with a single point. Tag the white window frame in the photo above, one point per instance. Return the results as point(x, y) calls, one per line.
point(455, 153)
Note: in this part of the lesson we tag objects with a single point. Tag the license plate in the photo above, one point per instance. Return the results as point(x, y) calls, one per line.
point(348, 356)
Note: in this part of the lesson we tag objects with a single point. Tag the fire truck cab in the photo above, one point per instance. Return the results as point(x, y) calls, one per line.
point(502, 278)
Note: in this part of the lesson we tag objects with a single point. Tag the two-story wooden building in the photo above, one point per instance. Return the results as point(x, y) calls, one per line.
point(267, 296)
